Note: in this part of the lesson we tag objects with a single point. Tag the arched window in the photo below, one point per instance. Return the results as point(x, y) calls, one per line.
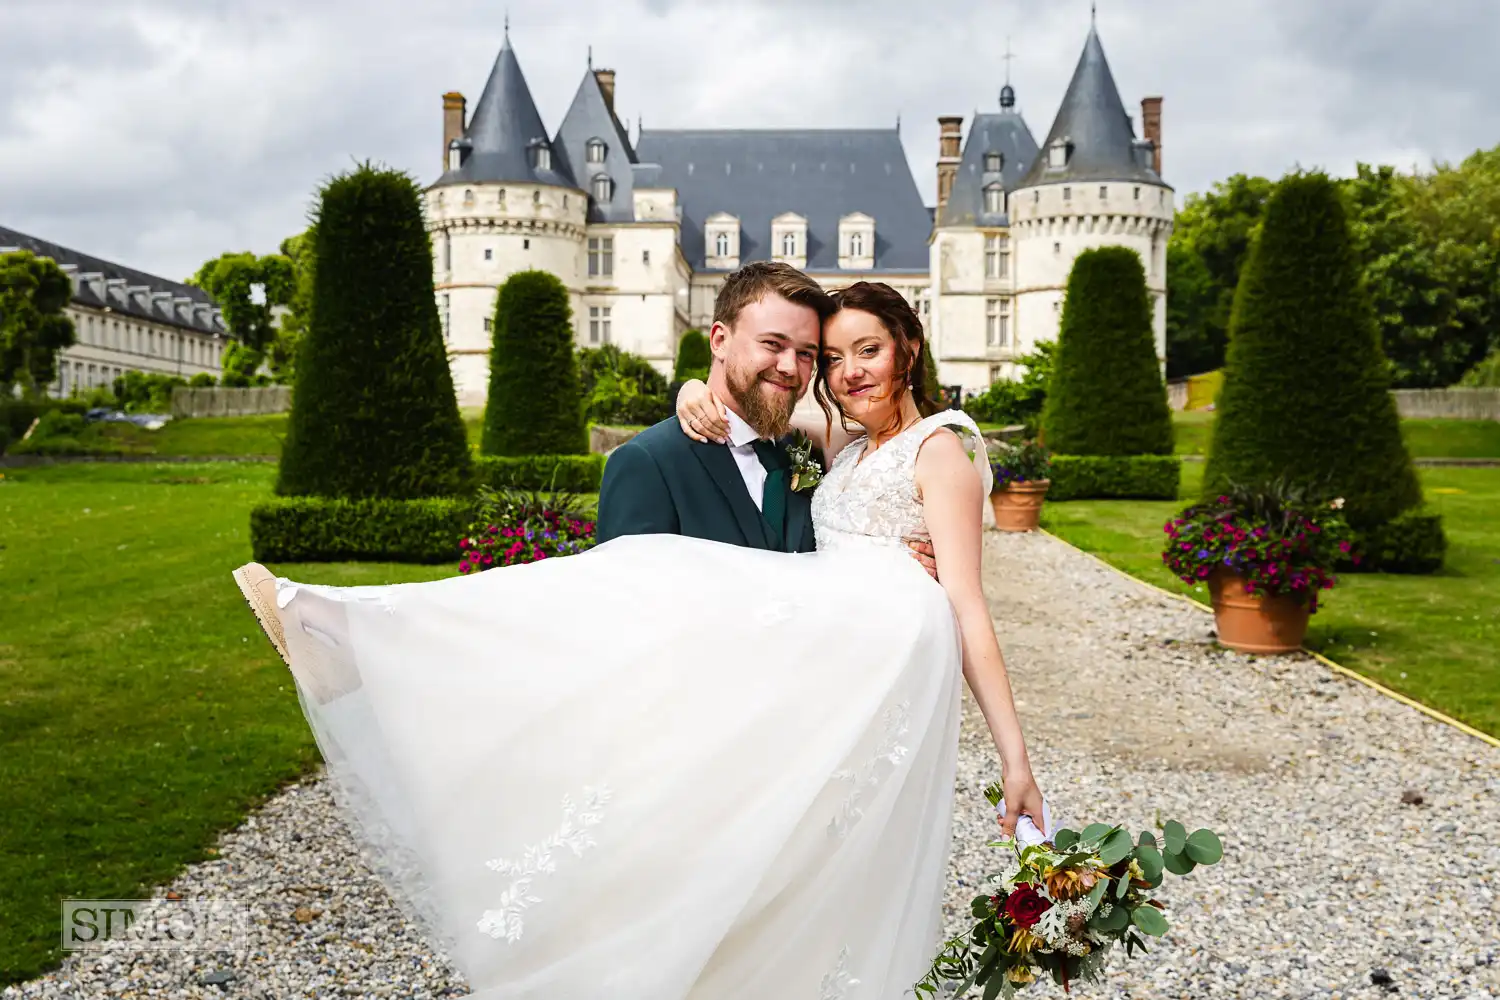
point(994, 199)
point(721, 245)
point(468, 196)
point(788, 244)
point(993, 162)
point(604, 188)
point(500, 198)
point(596, 150)
point(856, 244)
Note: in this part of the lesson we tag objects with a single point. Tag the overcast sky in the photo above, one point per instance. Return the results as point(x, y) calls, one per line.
point(158, 133)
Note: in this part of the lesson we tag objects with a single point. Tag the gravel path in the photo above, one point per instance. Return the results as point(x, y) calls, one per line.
point(1331, 887)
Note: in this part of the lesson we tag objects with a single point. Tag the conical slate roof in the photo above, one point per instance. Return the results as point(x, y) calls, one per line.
point(1093, 121)
point(589, 117)
point(504, 130)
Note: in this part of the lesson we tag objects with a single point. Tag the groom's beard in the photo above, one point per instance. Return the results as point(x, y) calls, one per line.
point(769, 414)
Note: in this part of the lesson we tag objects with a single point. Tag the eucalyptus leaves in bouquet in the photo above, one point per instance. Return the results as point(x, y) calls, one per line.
point(1055, 909)
point(1027, 462)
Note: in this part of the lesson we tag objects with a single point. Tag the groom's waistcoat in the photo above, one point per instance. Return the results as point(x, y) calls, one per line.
point(662, 482)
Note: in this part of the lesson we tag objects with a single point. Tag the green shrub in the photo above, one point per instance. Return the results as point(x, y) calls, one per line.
point(569, 473)
point(373, 408)
point(1020, 401)
point(534, 405)
point(202, 380)
point(693, 357)
point(1410, 542)
point(1135, 477)
point(1306, 390)
point(61, 432)
point(146, 392)
point(620, 388)
point(329, 529)
point(1106, 396)
point(16, 415)
point(1485, 374)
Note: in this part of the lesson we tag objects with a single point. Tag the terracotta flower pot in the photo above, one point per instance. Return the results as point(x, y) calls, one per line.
point(1018, 506)
point(1255, 622)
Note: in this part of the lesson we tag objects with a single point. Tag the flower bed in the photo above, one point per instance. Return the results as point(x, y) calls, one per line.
point(515, 527)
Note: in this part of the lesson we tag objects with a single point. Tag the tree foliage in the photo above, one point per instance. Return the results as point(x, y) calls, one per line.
point(33, 327)
point(1106, 396)
point(1018, 401)
point(1305, 397)
point(620, 388)
point(373, 408)
point(693, 357)
point(534, 406)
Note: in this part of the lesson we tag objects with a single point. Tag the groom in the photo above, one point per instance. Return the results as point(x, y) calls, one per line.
point(767, 321)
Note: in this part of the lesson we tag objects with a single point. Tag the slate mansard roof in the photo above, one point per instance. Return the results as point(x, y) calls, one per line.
point(503, 131)
point(820, 174)
point(1094, 123)
point(119, 298)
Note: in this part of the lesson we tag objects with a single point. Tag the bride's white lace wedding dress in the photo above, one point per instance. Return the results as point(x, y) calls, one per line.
point(664, 768)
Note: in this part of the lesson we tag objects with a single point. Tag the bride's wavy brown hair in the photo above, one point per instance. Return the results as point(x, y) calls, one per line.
point(900, 321)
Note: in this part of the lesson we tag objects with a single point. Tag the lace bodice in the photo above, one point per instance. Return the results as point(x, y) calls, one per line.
point(875, 501)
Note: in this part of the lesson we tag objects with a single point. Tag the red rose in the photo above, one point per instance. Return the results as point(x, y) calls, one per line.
point(1025, 906)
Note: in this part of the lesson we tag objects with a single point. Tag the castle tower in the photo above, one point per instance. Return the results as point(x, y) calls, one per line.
point(1092, 184)
point(506, 202)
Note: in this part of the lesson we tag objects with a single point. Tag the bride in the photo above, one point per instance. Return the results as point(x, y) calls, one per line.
point(675, 768)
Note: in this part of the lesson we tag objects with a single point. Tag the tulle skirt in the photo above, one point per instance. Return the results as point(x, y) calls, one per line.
point(664, 768)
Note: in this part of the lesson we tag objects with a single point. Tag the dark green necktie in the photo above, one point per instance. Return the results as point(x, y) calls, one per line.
point(773, 497)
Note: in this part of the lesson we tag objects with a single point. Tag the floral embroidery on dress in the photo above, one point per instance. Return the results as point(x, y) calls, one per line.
point(868, 776)
point(505, 919)
point(836, 984)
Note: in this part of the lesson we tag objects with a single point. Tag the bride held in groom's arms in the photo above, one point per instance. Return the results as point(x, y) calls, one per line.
point(699, 760)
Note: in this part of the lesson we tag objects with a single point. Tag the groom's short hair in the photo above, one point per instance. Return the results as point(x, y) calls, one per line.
point(753, 282)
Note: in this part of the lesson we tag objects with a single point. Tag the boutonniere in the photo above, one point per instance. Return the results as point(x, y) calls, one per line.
point(806, 472)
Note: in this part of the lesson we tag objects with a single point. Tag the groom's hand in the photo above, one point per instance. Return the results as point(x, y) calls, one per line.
point(922, 550)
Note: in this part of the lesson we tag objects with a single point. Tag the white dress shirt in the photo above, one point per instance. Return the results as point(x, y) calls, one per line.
point(742, 438)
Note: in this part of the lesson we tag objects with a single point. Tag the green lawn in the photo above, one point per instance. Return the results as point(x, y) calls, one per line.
point(141, 711)
point(1424, 438)
point(1430, 637)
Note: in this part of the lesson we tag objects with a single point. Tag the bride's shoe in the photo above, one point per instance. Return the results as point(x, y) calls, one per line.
point(258, 584)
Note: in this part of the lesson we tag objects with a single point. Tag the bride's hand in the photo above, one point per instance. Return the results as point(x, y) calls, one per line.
point(702, 416)
point(1022, 798)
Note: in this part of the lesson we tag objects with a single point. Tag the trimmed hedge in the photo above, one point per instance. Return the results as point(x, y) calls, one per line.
point(569, 473)
point(319, 529)
point(693, 357)
point(373, 408)
point(1135, 477)
point(535, 405)
point(1106, 396)
point(1411, 542)
point(1306, 385)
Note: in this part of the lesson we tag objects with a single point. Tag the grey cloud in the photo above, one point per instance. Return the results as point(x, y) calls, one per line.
point(162, 132)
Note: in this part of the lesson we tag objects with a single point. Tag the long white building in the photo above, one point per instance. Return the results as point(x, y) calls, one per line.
point(641, 233)
point(128, 320)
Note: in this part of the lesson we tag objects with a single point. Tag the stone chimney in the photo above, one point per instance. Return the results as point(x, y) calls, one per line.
point(1151, 129)
point(454, 107)
point(606, 79)
point(950, 133)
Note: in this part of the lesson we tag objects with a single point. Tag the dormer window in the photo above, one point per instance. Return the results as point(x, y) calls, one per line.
point(857, 242)
point(603, 188)
point(1057, 154)
point(541, 155)
point(993, 163)
point(789, 239)
point(721, 237)
point(458, 152)
point(994, 199)
point(596, 151)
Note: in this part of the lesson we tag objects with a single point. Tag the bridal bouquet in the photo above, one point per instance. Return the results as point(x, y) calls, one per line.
point(1057, 908)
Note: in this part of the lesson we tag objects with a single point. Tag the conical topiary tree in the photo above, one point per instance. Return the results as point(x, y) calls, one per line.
point(1306, 393)
point(373, 408)
point(535, 406)
point(693, 357)
point(1106, 396)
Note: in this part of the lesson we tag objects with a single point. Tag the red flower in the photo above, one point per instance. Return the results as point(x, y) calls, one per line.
point(1025, 906)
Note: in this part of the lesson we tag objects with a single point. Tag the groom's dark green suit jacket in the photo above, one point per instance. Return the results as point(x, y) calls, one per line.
point(662, 482)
